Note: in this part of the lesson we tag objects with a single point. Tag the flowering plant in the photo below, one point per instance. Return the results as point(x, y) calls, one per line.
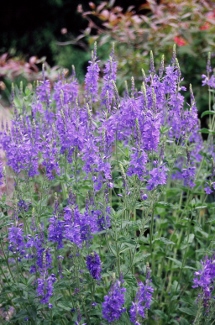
point(110, 205)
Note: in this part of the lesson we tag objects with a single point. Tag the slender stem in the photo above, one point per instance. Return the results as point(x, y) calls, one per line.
point(6, 260)
point(151, 237)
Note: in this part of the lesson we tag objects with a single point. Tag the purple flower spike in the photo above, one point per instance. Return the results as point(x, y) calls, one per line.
point(91, 78)
point(94, 265)
point(158, 177)
point(109, 77)
point(65, 92)
point(45, 288)
point(208, 81)
point(142, 301)
point(204, 278)
point(137, 163)
point(112, 307)
point(16, 240)
point(44, 91)
point(55, 231)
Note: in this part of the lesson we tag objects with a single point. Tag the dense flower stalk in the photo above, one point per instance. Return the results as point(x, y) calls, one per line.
point(91, 78)
point(204, 279)
point(142, 301)
point(158, 176)
point(94, 265)
point(112, 307)
point(45, 288)
point(55, 231)
point(43, 91)
point(107, 92)
point(16, 239)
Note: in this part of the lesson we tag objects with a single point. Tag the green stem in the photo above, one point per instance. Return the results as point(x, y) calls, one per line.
point(151, 238)
point(6, 260)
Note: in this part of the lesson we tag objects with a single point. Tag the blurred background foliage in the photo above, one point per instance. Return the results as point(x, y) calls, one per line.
point(156, 27)
point(47, 28)
point(31, 30)
point(62, 33)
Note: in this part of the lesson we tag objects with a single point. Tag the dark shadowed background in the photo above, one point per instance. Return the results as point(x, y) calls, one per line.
point(33, 27)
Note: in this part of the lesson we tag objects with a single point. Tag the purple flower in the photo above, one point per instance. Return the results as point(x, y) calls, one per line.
point(94, 265)
point(16, 239)
point(55, 231)
point(91, 78)
point(44, 91)
point(208, 190)
point(41, 253)
point(170, 80)
point(79, 227)
point(103, 220)
point(188, 175)
point(65, 92)
point(110, 70)
point(137, 163)
point(204, 278)
point(50, 161)
point(142, 301)
point(112, 307)
point(72, 233)
point(208, 81)
point(150, 130)
point(158, 176)
point(144, 197)
point(45, 288)
point(21, 149)
point(23, 206)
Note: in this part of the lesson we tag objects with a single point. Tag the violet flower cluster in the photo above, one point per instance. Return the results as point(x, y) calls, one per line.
point(204, 279)
point(75, 227)
point(60, 124)
point(209, 80)
point(94, 265)
point(142, 301)
point(35, 250)
point(112, 307)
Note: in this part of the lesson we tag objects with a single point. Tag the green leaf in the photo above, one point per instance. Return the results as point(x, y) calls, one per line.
point(183, 321)
point(189, 239)
point(164, 240)
point(113, 251)
point(31, 279)
point(140, 258)
point(207, 113)
point(203, 233)
point(20, 315)
point(177, 262)
point(188, 311)
point(189, 267)
point(175, 286)
point(127, 246)
point(67, 308)
point(206, 131)
point(163, 204)
point(174, 298)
